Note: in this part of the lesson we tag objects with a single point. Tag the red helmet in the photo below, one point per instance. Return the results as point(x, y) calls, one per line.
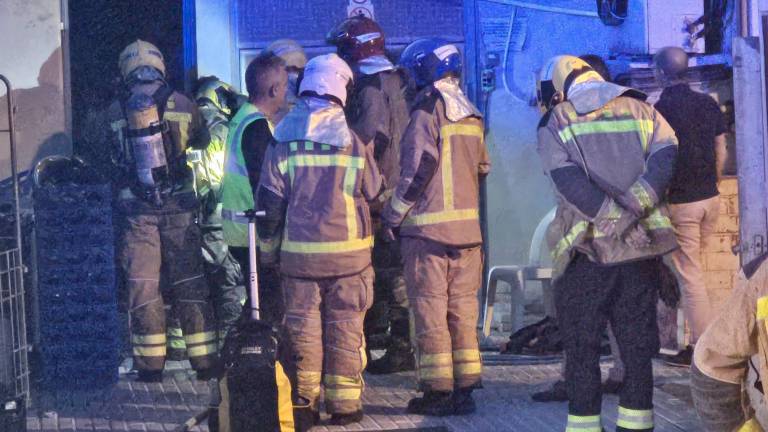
point(357, 38)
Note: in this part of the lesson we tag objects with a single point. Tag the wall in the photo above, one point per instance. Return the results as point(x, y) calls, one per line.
point(31, 57)
point(721, 266)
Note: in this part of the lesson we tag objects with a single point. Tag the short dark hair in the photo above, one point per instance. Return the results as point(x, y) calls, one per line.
point(598, 65)
point(258, 72)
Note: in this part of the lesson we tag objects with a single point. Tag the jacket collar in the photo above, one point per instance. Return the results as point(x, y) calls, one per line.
point(457, 105)
point(593, 95)
point(315, 119)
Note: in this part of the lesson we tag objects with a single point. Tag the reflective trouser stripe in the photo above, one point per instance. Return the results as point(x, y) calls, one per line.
point(150, 339)
point(467, 362)
point(339, 387)
point(436, 366)
point(201, 350)
point(750, 426)
point(327, 247)
point(151, 345)
point(149, 351)
point(635, 419)
point(308, 384)
point(200, 344)
point(198, 338)
point(176, 339)
point(583, 424)
point(762, 308)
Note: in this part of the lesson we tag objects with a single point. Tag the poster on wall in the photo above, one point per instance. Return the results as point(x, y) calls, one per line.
point(360, 7)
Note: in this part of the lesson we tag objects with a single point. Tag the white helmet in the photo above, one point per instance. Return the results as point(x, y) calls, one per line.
point(327, 75)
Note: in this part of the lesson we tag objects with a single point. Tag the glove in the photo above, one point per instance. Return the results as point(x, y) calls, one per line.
point(637, 238)
point(613, 219)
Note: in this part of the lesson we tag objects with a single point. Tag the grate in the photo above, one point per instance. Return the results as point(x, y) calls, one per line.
point(14, 349)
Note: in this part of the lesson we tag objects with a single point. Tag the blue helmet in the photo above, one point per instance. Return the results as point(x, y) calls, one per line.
point(430, 59)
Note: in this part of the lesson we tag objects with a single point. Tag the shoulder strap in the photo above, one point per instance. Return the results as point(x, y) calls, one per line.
point(161, 96)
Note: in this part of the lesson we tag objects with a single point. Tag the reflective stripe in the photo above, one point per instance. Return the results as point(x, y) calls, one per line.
point(282, 166)
point(607, 127)
point(441, 217)
point(642, 195)
point(308, 384)
point(309, 145)
point(350, 175)
point(150, 339)
point(566, 242)
point(583, 424)
point(327, 247)
point(338, 394)
point(318, 160)
point(177, 344)
point(656, 220)
point(196, 338)
point(400, 206)
point(635, 419)
point(174, 332)
point(284, 401)
point(201, 350)
point(341, 380)
point(310, 376)
point(473, 368)
point(762, 308)
point(175, 116)
point(446, 156)
point(436, 372)
point(325, 147)
point(750, 426)
point(149, 351)
point(434, 359)
point(466, 355)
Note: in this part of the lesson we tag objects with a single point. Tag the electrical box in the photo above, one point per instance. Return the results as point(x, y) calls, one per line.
point(671, 23)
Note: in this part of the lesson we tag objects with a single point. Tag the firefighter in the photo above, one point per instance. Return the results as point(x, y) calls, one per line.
point(316, 184)
point(724, 352)
point(435, 205)
point(217, 102)
point(610, 157)
point(148, 130)
point(295, 60)
point(378, 113)
point(250, 132)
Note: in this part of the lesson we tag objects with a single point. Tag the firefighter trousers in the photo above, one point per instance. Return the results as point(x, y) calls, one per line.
point(390, 297)
point(443, 282)
point(170, 243)
point(323, 331)
point(587, 297)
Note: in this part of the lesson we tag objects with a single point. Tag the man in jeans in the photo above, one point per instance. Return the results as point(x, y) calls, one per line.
point(693, 195)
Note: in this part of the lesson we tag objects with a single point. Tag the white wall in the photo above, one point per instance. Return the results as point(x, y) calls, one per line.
point(31, 57)
point(215, 54)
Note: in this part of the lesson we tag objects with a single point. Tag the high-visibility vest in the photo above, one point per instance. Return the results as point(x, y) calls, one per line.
point(236, 191)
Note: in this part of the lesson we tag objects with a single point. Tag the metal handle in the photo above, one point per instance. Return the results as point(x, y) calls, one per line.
point(253, 263)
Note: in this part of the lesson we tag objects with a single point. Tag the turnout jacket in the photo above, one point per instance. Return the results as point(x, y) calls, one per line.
point(610, 155)
point(443, 158)
point(316, 182)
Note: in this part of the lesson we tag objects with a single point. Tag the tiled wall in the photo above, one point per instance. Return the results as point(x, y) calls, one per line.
point(720, 264)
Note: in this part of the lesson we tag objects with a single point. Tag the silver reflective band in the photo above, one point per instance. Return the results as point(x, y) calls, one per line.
point(233, 216)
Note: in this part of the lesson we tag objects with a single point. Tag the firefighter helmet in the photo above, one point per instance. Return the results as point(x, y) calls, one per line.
point(671, 63)
point(557, 77)
point(430, 59)
point(290, 51)
point(357, 38)
point(216, 93)
point(327, 75)
point(138, 54)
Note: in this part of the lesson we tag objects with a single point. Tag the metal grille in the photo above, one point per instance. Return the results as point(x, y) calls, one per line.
point(14, 350)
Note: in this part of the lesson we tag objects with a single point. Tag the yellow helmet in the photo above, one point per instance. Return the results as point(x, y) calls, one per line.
point(140, 53)
point(216, 93)
point(290, 51)
point(557, 77)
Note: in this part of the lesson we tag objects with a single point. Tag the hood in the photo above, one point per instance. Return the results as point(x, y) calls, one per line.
point(457, 106)
point(317, 120)
point(593, 95)
point(373, 65)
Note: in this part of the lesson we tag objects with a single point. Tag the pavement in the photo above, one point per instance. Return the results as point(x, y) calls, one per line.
point(503, 405)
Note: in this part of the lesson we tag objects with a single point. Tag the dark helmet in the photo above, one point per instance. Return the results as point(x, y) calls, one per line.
point(671, 63)
point(357, 38)
point(430, 59)
point(59, 170)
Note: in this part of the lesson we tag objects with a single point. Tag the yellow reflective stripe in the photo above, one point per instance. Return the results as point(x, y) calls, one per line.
point(435, 359)
point(635, 419)
point(762, 308)
point(327, 247)
point(750, 426)
point(177, 344)
point(175, 116)
point(583, 424)
point(642, 195)
point(149, 351)
point(325, 147)
point(446, 164)
point(400, 206)
point(201, 350)
point(319, 160)
point(441, 217)
point(282, 166)
point(284, 401)
point(466, 355)
point(196, 338)
point(309, 145)
point(349, 200)
point(436, 372)
point(567, 241)
point(309, 376)
point(607, 127)
point(473, 368)
point(338, 394)
point(341, 380)
point(656, 220)
point(174, 332)
point(150, 339)
point(308, 383)
point(294, 146)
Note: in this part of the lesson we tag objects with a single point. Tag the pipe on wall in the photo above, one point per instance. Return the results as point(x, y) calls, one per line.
point(552, 9)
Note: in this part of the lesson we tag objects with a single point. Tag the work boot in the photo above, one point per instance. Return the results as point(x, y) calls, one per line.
point(681, 359)
point(396, 359)
point(304, 415)
point(346, 419)
point(557, 393)
point(433, 403)
point(463, 402)
point(612, 386)
point(150, 376)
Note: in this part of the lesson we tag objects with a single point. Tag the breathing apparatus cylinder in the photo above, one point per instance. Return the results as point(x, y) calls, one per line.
point(145, 132)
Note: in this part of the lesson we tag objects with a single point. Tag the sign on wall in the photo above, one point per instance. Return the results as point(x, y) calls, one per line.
point(360, 7)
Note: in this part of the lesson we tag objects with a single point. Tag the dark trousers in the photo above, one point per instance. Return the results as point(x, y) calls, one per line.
point(587, 297)
point(270, 293)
